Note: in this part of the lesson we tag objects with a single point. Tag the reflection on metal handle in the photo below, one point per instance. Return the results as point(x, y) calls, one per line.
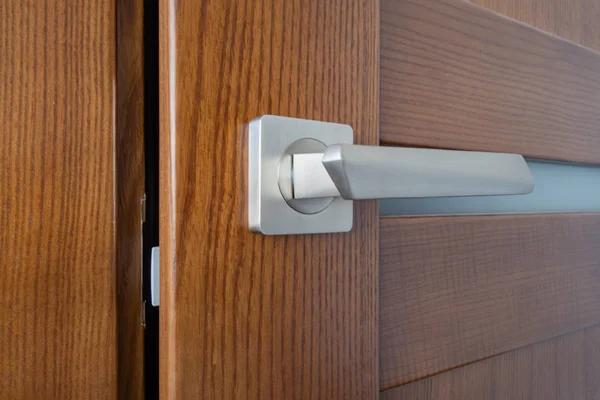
point(370, 172)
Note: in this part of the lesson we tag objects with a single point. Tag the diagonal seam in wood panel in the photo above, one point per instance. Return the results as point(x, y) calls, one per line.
point(574, 20)
point(455, 75)
point(562, 367)
point(458, 289)
point(498, 8)
point(483, 359)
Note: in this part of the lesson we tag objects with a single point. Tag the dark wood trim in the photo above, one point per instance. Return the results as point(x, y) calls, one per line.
point(130, 189)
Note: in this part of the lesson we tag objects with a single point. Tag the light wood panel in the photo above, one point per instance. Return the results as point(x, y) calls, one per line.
point(455, 75)
point(566, 367)
point(575, 20)
point(458, 289)
point(57, 200)
point(244, 315)
point(130, 189)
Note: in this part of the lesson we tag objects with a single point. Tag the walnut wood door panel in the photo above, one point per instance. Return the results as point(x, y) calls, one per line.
point(455, 75)
point(455, 290)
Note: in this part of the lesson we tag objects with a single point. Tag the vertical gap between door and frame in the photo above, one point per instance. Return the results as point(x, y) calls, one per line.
point(151, 225)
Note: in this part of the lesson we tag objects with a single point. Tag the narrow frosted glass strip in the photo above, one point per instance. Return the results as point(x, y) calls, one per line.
point(558, 188)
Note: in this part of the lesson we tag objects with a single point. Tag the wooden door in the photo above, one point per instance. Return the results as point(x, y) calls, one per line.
point(430, 307)
point(71, 181)
point(58, 326)
point(244, 315)
point(491, 307)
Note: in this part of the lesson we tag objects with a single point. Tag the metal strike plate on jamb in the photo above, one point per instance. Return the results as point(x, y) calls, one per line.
point(303, 175)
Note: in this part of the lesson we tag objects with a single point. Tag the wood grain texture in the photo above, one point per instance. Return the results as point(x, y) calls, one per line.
point(57, 193)
point(575, 20)
point(455, 75)
point(130, 190)
point(458, 289)
point(244, 315)
point(565, 367)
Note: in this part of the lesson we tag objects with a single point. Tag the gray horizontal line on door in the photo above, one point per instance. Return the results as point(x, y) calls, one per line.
point(559, 187)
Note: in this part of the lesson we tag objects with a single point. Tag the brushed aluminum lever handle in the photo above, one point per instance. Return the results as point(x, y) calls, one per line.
point(303, 175)
point(370, 172)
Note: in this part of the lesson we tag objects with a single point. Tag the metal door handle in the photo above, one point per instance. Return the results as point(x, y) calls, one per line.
point(369, 172)
point(303, 175)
